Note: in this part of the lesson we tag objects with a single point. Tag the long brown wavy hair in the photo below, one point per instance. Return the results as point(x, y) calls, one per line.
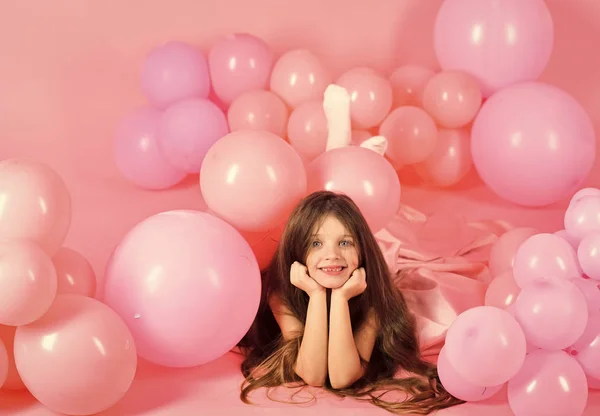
point(269, 359)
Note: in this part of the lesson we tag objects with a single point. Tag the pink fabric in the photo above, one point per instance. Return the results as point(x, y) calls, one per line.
point(440, 264)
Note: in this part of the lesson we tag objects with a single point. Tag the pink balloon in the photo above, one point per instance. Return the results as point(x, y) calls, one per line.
point(502, 254)
point(588, 254)
point(174, 72)
point(239, 63)
point(252, 180)
point(365, 176)
point(411, 135)
point(4, 363)
point(591, 292)
point(568, 238)
point(529, 347)
point(452, 98)
point(532, 143)
point(258, 110)
point(586, 349)
point(450, 161)
point(188, 129)
point(582, 193)
point(499, 44)
point(549, 383)
point(544, 255)
point(299, 76)
point(188, 286)
point(74, 273)
point(370, 95)
point(486, 346)
point(79, 358)
point(457, 386)
point(28, 282)
point(408, 83)
point(137, 152)
point(593, 383)
point(307, 129)
point(13, 381)
point(552, 312)
point(502, 292)
point(582, 217)
point(36, 204)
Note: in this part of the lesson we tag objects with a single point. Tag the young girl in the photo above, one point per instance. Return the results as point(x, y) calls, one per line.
point(330, 315)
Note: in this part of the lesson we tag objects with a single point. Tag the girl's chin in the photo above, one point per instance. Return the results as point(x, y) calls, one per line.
point(331, 282)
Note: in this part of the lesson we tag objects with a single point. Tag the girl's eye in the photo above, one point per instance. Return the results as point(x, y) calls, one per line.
point(346, 243)
point(316, 243)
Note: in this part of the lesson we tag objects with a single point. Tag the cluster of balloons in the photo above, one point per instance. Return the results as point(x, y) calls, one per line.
point(539, 330)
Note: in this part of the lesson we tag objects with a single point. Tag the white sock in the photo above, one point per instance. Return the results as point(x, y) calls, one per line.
point(378, 144)
point(336, 104)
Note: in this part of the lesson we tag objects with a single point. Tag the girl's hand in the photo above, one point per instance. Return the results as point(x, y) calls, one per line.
point(299, 277)
point(354, 286)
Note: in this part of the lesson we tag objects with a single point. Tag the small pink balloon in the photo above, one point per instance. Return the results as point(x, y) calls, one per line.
point(411, 135)
point(188, 286)
point(258, 110)
point(307, 129)
point(28, 282)
point(502, 291)
point(79, 358)
point(545, 255)
point(252, 179)
point(188, 129)
point(137, 152)
point(582, 217)
point(586, 349)
point(370, 96)
point(588, 254)
point(457, 386)
point(359, 136)
point(299, 76)
point(36, 204)
point(4, 363)
point(582, 193)
point(452, 98)
point(552, 312)
point(450, 161)
point(568, 238)
point(408, 83)
point(365, 176)
point(173, 72)
point(486, 346)
point(502, 254)
point(74, 273)
point(13, 381)
point(591, 291)
point(239, 63)
point(549, 383)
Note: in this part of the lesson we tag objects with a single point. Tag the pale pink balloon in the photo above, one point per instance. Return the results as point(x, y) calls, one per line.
point(188, 286)
point(529, 347)
point(13, 381)
point(239, 63)
point(137, 152)
point(173, 72)
point(452, 98)
point(552, 312)
point(582, 193)
point(544, 255)
point(588, 254)
point(365, 176)
point(568, 238)
point(28, 281)
point(36, 204)
point(450, 161)
point(307, 129)
point(370, 96)
point(591, 291)
point(586, 349)
point(533, 144)
point(299, 76)
point(548, 383)
point(258, 110)
point(499, 44)
point(79, 358)
point(4, 363)
point(408, 83)
point(503, 251)
point(358, 136)
point(459, 387)
point(188, 129)
point(74, 273)
point(252, 179)
point(582, 217)
point(502, 292)
point(411, 135)
point(486, 346)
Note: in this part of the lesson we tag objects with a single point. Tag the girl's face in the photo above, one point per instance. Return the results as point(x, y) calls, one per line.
point(332, 255)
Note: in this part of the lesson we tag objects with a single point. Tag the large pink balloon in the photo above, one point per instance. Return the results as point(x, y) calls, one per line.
point(533, 144)
point(258, 110)
point(582, 217)
point(36, 204)
point(74, 273)
point(365, 176)
point(408, 84)
point(307, 129)
point(486, 346)
point(239, 63)
point(137, 152)
point(252, 179)
point(28, 283)
point(549, 383)
point(500, 43)
point(502, 254)
point(79, 358)
point(188, 286)
point(173, 72)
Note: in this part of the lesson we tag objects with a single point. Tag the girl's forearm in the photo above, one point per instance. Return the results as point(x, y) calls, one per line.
point(311, 364)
